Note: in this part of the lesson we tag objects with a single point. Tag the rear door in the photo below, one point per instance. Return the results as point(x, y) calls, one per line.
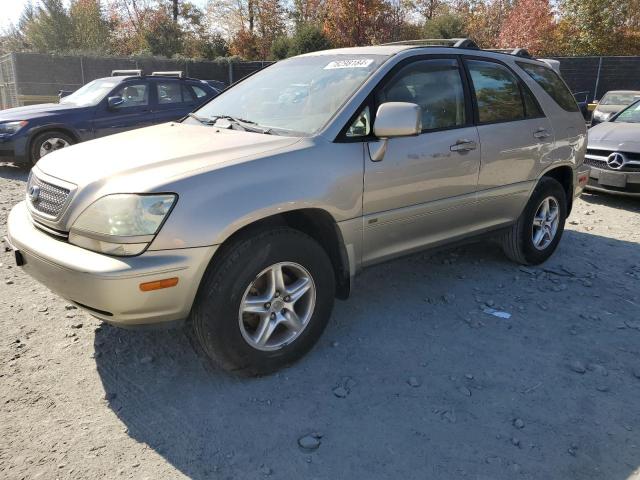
point(175, 100)
point(423, 190)
point(515, 135)
point(133, 112)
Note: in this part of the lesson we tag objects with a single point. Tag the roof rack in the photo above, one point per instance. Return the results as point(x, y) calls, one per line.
point(439, 42)
point(460, 43)
point(174, 73)
point(518, 52)
point(118, 73)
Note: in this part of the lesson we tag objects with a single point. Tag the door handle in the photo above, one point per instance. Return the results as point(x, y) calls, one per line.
point(541, 133)
point(463, 145)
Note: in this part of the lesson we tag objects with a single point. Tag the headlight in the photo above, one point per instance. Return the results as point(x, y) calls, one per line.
point(9, 128)
point(122, 224)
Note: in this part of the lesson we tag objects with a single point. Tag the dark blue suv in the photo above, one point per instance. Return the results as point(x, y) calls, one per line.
point(124, 101)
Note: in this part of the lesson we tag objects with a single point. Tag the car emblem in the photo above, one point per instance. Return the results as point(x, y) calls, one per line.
point(34, 192)
point(616, 161)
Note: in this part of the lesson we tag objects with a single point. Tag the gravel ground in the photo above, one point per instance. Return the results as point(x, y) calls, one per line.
point(414, 377)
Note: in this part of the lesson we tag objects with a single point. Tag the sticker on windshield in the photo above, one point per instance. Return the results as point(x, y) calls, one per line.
point(359, 63)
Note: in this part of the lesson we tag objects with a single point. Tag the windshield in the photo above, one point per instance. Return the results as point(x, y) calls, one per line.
point(613, 98)
point(298, 95)
point(91, 93)
point(630, 115)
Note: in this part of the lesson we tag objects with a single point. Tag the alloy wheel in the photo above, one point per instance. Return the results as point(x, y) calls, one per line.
point(545, 223)
point(277, 306)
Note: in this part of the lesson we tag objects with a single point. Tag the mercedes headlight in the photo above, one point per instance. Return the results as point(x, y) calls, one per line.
point(9, 128)
point(122, 224)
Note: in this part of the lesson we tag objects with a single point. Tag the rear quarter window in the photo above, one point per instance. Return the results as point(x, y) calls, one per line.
point(551, 83)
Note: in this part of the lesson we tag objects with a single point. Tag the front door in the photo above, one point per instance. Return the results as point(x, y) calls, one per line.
point(423, 189)
point(133, 112)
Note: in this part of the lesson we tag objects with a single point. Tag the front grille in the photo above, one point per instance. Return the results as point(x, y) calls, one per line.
point(51, 199)
point(598, 158)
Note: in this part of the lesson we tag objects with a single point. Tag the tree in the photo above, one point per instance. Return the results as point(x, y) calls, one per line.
point(350, 23)
point(90, 27)
point(483, 20)
point(163, 36)
point(50, 27)
point(15, 39)
point(529, 24)
point(448, 25)
point(596, 27)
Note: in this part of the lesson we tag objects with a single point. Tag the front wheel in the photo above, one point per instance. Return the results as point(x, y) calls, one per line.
point(47, 142)
point(534, 237)
point(264, 301)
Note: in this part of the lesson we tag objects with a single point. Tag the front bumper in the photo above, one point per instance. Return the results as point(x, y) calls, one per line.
point(13, 148)
point(109, 287)
point(623, 183)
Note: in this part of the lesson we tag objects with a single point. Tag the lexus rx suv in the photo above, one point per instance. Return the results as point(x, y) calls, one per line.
point(250, 216)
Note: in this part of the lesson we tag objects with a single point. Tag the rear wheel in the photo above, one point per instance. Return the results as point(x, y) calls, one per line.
point(264, 302)
point(47, 142)
point(534, 237)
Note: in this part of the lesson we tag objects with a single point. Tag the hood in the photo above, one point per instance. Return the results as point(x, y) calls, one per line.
point(33, 111)
point(615, 136)
point(147, 158)
point(609, 108)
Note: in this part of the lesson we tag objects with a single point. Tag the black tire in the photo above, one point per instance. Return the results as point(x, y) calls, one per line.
point(215, 314)
point(42, 138)
point(517, 242)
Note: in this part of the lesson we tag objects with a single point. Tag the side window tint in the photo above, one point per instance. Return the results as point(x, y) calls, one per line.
point(552, 84)
point(187, 94)
point(435, 85)
point(198, 91)
point(497, 92)
point(133, 95)
point(169, 92)
point(531, 107)
point(361, 126)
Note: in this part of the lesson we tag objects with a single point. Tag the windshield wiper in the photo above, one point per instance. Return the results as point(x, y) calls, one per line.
point(247, 125)
point(206, 121)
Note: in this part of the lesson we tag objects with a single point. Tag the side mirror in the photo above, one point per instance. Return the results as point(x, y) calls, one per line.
point(113, 102)
point(394, 119)
point(398, 119)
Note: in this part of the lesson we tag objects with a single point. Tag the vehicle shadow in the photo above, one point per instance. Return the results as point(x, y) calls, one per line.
point(13, 172)
point(435, 386)
point(631, 204)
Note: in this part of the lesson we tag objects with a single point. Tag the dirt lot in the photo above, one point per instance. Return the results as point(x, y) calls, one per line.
point(413, 378)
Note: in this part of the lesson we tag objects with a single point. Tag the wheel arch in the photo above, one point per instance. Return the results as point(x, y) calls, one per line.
point(33, 134)
point(564, 174)
point(315, 222)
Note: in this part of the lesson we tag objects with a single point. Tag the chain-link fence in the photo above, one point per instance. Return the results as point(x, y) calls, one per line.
point(31, 78)
point(595, 76)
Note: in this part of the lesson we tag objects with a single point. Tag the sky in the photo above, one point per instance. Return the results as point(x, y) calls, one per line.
point(10, 10)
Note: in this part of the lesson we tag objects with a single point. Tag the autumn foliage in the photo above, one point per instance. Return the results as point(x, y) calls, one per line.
point(274, 29)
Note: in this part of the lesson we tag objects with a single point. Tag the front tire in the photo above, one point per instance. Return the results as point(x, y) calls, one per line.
point(264, 301)
point(47, 142)
point(534, 237)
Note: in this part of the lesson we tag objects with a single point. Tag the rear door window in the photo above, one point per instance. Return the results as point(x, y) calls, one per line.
point(169, 92)
point(551, 83)
point(497, 92)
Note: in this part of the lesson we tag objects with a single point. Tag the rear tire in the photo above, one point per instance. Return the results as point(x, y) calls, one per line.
point(223, 320)
point(534, 237)
point(47, 142)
